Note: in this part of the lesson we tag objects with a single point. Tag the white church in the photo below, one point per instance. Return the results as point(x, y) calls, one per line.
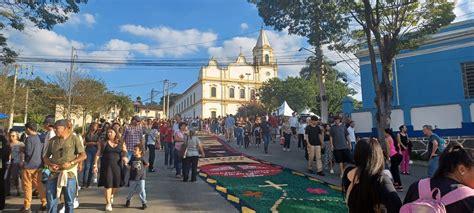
point(220, 91)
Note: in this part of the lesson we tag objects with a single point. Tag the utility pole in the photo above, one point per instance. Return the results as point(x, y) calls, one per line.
point(168, 99)
point(151, 96)
point(164, 98)
point(26, 104)
point(321, 82)
point(69, 98)
point(12, 106)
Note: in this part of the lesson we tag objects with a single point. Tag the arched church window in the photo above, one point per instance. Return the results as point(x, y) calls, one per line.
point(231, 93)
point(242, 93)
point(267, 59)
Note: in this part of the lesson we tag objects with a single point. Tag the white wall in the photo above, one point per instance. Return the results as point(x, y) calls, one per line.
point(397, 119)
point(363, 121)
point(472, 112)
point(443, 117)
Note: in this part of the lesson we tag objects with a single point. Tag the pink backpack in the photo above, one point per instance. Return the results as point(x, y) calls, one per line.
point(427, 204)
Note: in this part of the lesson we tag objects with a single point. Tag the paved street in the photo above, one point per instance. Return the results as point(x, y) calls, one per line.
point(168, 194)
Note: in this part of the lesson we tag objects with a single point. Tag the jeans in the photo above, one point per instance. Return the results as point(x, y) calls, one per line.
point(239, 134)
point(178, 162)
point(151, 155)
point(69, 194)
point(137, 186)
point(88, 165)
point(353, 146)
point(266, 141)
point(395, 161)
point(432, 166)
point(169, 149)
point(405, 166)
point(301, 141)
point(190, 163)
point(287, 140)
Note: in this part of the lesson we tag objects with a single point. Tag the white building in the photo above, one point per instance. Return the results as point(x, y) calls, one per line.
point(220, 91)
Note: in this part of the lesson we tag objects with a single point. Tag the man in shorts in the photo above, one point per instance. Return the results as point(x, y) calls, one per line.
point(340, 143)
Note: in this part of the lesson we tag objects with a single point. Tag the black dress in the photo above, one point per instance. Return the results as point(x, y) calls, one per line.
point(111, 175)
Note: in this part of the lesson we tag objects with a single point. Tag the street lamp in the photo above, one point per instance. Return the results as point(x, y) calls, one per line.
point(170, 86)
point(321, 83)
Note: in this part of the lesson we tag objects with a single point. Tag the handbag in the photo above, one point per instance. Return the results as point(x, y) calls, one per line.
point(184, 148)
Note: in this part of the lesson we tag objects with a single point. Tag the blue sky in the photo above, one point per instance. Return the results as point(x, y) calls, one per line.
point(124, 30)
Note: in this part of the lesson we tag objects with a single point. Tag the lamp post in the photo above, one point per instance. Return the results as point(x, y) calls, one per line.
point(170, 86)
point(321, 83)
point(248, 83)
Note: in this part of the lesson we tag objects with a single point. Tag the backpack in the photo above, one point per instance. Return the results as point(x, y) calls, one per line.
point(427, 204)
point(441, 143)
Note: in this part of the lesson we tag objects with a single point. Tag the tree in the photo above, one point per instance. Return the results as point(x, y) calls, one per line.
point(297, 92)
point(321, 22)
point(251, 109)
point(89, 95)
point(16, 14)
point(336, 86)
point(389, 27)
point(124, 103)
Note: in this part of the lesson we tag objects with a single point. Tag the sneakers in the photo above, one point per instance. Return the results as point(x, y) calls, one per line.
point(127, 204)
point(112, 199)
point(108, 207)
point(331, 171)
point(310, 171)
point(284, 149)
point(321, 173)
point(63, 209)
point(95, 179)
point(25, 210)
point(151, 170)
point(43, 208)
point(144, 206)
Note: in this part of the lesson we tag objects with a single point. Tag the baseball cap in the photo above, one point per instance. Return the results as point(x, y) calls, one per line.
point(48, 121)
point(61, 122)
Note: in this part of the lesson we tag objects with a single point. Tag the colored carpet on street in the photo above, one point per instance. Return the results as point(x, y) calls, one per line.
point(253, 185)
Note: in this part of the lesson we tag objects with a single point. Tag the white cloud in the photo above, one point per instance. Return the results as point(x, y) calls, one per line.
point(76, 20)
point(283, 45)
point(244, 26)
point(462, 8)
point(169, 41)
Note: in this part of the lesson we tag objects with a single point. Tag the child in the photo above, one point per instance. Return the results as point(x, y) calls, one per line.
point(137, 166)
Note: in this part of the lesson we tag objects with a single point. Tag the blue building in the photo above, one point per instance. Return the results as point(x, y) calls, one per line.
point(433, 85)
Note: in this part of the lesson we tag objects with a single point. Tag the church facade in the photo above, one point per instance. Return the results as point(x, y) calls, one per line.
point(220, 91)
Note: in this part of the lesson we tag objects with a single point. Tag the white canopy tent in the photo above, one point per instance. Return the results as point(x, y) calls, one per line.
point(285, 110)
point(308, 112)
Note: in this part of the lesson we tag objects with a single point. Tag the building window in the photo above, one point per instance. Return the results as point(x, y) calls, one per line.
point(213, 92)
point(213, 114)
point(231, 93)
point(468, 78)
point(242, 93)
point(267, 59)
point(252, 94)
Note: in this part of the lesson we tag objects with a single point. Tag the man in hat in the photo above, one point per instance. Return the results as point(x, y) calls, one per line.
point(63, 153)
point(48, 126)
point(32, 167)
point(133, 135)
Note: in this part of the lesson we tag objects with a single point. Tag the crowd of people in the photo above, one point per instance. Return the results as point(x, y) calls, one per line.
point(56, 163)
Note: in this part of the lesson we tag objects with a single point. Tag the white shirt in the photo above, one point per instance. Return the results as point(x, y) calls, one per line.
point(50, 134)
point(301, 128)
point(352, 136)
point(293, 121)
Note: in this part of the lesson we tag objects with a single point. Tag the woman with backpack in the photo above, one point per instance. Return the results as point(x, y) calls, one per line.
point(367, 187)
point(452, 184)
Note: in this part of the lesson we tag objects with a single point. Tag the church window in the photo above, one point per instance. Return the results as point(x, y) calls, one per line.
point(267, 59)
point(213, 92)
point(231, 93)
point(468, 79)
point(242, 93)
